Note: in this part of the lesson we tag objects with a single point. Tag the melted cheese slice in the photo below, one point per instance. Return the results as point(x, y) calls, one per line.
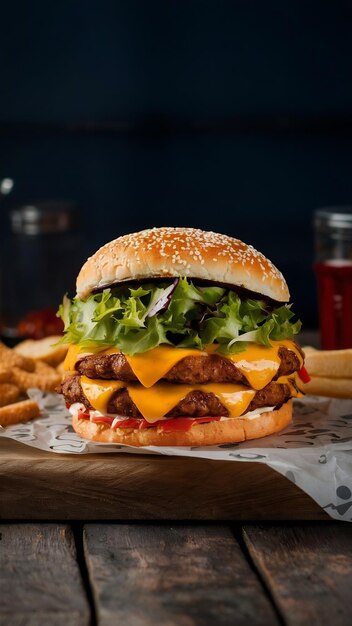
point(291, 381)
point(259, 364)
point(155, 402)
point(74, 352)
point(151, 366)
point(71, 358)
point(99, 392)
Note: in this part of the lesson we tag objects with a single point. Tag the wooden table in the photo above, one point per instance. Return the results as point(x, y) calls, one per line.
point(146, 574)
point(38, 485)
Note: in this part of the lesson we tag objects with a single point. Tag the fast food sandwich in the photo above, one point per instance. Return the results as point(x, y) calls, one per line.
point(182, 337)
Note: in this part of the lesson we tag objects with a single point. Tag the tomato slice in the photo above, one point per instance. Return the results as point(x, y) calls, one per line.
point(102, 419)
point(170, 425)
point(304, 376)
point(83, 416)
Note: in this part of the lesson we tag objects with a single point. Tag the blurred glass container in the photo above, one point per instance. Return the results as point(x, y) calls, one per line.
point(333, 268)
point(39, 263)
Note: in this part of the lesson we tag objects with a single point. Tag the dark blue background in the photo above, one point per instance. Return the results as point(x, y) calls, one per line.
point(231, 116)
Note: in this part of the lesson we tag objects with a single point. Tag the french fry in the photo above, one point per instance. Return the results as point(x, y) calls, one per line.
point(18, 412)
point(45, 370)
point(26, 380)
point(329, 363)
point(331, 387)
point(8, 393)
point(45, 350)
point(6, 375)
point(51, 377)
point(60, 369)
point(9, 358)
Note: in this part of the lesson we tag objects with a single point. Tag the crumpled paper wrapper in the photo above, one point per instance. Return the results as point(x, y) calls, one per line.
point(314, 452)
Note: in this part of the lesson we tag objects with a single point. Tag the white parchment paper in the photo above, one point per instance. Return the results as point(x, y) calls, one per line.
point(314, 452)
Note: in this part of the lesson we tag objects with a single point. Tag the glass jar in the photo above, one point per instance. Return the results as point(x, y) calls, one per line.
point(39, 263)
point(333, 269)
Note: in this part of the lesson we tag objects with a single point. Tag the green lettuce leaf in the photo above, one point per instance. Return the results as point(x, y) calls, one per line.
point(194, 318)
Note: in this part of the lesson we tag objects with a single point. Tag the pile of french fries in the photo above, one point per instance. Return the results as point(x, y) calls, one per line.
point(330, 372)
point(23, 368)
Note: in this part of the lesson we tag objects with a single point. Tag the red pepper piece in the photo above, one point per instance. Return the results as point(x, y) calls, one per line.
point(304, 376)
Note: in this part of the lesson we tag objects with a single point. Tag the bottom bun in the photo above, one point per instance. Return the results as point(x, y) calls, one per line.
point(231, 430)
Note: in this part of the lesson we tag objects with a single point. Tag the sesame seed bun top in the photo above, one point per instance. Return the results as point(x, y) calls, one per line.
point(169, 252)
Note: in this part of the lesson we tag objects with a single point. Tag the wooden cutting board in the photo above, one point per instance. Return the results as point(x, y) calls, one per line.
point(47, 486)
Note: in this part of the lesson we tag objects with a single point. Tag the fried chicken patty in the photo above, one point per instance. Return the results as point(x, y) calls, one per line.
point(196, 403)
point(192, 370)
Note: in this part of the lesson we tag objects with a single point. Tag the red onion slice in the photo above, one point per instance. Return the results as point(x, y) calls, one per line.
point(163, 302)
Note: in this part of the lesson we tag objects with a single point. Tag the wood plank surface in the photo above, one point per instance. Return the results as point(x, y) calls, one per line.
point(43, 485)
point(308, 570)
point(175, 576)
point(39, 577)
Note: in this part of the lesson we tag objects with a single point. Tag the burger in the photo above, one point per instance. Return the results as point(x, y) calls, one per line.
point(179, 337)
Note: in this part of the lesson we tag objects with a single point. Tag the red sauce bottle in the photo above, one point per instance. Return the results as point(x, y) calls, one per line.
point(333, 268)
